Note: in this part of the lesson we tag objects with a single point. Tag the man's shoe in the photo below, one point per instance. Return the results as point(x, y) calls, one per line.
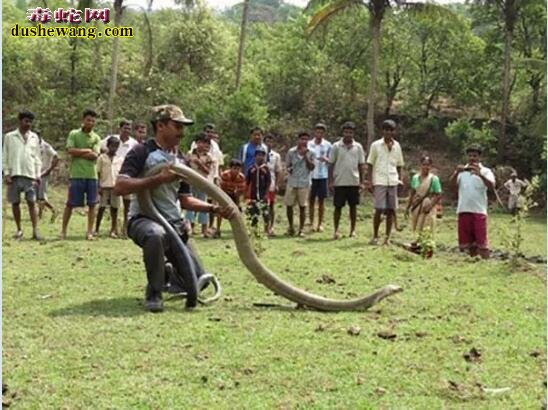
point(153, 301)
point(374, 241)
point(18, 235)
point(155, 305)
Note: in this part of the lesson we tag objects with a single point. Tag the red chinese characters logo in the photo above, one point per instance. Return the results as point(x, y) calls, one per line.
point(39, 15)
point(72, 15)
point(97, 15)
point(68, 16)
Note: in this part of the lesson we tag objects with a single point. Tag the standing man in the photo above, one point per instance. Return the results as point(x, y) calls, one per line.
point(514, 187)
point(201, 161)
point(247, 151)
point(383, 177)
point(299, 163)
point(140, 131)
point(83, 146)
point(127, 142)
point(321, 148)
point(347, 161)
point(218, 161)
point(50, 159)
point(473, 180)
point(22, 167)
point(170, 195)
point(214, 150)
point(218, 164)
point(274, 162)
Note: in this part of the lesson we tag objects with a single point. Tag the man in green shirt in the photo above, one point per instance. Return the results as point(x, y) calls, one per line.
point(83, 146)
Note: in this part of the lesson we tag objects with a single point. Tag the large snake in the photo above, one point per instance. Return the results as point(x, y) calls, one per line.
point(247, 254)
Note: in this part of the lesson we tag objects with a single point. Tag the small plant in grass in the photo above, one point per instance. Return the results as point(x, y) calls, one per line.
point(512, 233)
point(254, 212)
point(426, 244)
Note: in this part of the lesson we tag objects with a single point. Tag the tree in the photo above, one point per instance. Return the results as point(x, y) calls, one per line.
point(118, 11)
point(377, 10)
point(531, 46)
point(509, 14)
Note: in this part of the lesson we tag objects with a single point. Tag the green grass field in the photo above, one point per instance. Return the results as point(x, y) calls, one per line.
point(76, 335)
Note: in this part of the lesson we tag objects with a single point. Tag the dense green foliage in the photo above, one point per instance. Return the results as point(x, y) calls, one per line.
point(431, 66)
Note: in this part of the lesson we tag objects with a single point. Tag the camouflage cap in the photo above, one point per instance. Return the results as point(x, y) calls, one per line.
point(170, 112)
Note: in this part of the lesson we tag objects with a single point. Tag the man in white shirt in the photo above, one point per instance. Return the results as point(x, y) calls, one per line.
point(473, 180)
point(347, 162)
point(274, 162)
point(321, 148)
point(22, 167)
point(383, 177)
point(514, 187)
point(50, 159)
point(216, 167)
point(214, 150)
point(140, 131)
point(127, 142)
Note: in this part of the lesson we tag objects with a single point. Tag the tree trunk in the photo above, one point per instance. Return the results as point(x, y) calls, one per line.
point(118, 9)
point(98, 60)
point(73, 60)
point(505, 96)
point(392, 89)
point(510, 9)
point(241, 48)
point(149, 55)
point(376, 20)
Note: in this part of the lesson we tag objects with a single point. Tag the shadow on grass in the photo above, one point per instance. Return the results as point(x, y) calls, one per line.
point(267, 307)
point(117, 307)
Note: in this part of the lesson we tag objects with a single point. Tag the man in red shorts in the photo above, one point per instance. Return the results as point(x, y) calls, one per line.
point(473, 180)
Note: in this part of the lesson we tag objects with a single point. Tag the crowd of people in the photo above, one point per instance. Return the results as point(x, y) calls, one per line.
point(107, 172)
point(312, 170)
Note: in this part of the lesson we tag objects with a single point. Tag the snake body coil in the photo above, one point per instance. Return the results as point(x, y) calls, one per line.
point(248, 257)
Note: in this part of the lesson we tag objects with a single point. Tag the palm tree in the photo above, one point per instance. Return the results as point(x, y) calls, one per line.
point(377, 9)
